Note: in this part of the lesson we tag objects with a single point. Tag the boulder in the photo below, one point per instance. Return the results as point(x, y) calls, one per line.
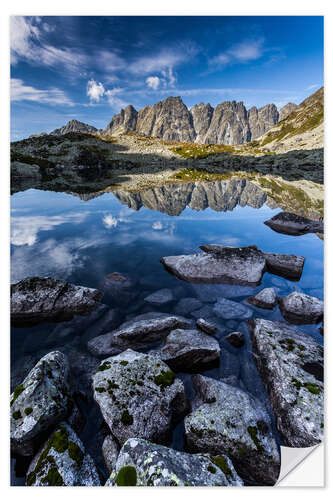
point(236, 339)
point(141, 331)
point(119, 289)
point(63, 461)
point(141, 463)
point(218, 264)
point(187, 305)
point(228, 309)
point(34, 300)
point(295, 225)
point(160, 298)
point(39, 402)
point(206, 326)
point(186, 350)
point(266, 299)
point(229, 420)
point(300, 309)
point(290, 363)
point(139, 396)
point(287, 266)
point(110, 452)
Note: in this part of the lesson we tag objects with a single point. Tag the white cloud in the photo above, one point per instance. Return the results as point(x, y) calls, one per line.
point(153, 82)
point(109, 221)
point(158, 226)
point(310, 87)
point(95, 90)
point(243, 52)
point(164, 60)
point(21, 92)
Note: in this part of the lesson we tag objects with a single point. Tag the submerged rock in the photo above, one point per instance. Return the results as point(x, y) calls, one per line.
point(63, 461)
point(189, 349)
point(34, 300)
point(299, 309)
point(295, 225)
point(287, 266)
point(266, 299)
point(139, 396)
point(187, 305)
point(39, 402)
point(110, 453)
point(290, 363)
point(229, 420)
point(228, 309)
point(206, 326)
point(119, 289)
point(161, 297)
point(236, 339)
point(141, 463)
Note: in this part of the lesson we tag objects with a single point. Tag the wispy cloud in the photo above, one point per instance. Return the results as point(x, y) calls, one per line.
point(243, 52)
point(314, 86)
point(21, 92)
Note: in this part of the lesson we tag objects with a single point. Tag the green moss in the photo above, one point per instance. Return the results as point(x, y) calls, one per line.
point(124, 363)
point(104, 366)
point(253, 431)
point(59, 440)
point(27, 411)
point(17, 391)
point(126, 476)
point(126, 418)
point(211, 469)
point(297, 383)
point(75, 453)
point(100, 389)
point(53, 478)
point(222, 464)
point(17, 415)
point(165, 378)
point(288, 343)
point(313, 388)
point(112, 385)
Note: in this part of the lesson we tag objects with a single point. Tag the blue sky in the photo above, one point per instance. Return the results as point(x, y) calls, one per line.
point(88, 68)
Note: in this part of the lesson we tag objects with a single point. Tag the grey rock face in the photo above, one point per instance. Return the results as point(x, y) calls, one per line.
point(123, 122)
point(287, 110)
point(295, 225)
point(265, 299)
point(74, 126)
point(110, 453)
point(189, 349)
point(229, 420)
point(161, 297)
point(229, 124)
point(63, 461)
point(242, 266)
point(202, 115)
point(287, 266)
point(236, 339)
point(187, 305)
point(228, 309)
point(290, 363)
point(262, 119)
point(142, 463)
point(34, 300)
point(138, 396)
point(118, 288)
point(299, 309)
point(39, 402)
point(206, 326)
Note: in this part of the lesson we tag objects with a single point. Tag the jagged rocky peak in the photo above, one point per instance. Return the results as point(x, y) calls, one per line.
point(262, 119)
point(124, 121)
point(286, 110)
point(202, 115)
point(74, 126)
point(229, 124)
point(169, 120)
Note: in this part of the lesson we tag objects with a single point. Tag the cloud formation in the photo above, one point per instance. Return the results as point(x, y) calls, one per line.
point(21, 92)
point(243, 52)
point(153, 82)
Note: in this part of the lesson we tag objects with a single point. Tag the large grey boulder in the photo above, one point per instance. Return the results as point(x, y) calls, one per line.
point(285, 265)
point(189, 349)
point(110, 452)
point(290, 363)
point(137, 333)
point(229, 309)
point(266, 299)
point(295, 225)
point(239, 266)
point(139, 396)
point(141, 463)
point(39, 402)
point(34, 300)
point(299, 309)
point(63, 461)
point(229, 420)
point(160, 297)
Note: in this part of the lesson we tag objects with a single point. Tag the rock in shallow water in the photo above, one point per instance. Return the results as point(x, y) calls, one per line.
point(266, 299)
point(187, 305)
point(63, 461)
point(34, 300)
point(139, 396)
point(290, 363)
point(228, 309)
point(189, 349)
point(160, 298)
point(39, 402)
point(295, 225)
point(206, 326)
point(119, 289)
point(229, 420)
point(236, 339)
point(141, 463)
point(285, 265)
point(300, 309)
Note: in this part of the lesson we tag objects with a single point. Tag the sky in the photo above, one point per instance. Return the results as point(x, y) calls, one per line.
point(88, 68)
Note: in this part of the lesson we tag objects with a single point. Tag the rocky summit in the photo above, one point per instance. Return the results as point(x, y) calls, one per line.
point(74, 126)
